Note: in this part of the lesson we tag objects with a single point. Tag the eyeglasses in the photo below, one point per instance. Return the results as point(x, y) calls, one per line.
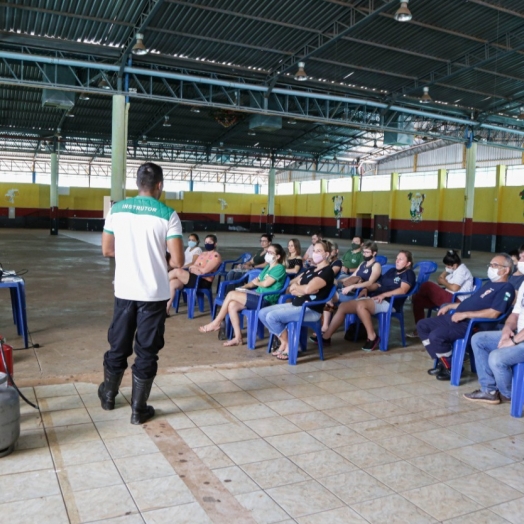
point(496, 266)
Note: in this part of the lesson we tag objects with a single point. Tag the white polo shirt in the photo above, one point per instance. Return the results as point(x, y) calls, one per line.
point(461, 277)
point(141, 226)
point(518, 309)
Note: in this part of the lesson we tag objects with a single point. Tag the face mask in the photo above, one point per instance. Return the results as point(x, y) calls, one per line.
point(367, 259)
point(355, 246)
point(191, 243)
point(317, 258)
point(269, 258)
point(520, 266)
point(449, 270)
point(209, 247)
point(493, 274)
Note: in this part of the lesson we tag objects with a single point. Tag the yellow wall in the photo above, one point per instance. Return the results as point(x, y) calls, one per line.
point(510, 205)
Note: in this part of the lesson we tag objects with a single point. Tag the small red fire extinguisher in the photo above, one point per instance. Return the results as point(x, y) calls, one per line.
point(6, 355)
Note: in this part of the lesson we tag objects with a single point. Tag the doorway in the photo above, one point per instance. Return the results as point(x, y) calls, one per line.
point(381, 230)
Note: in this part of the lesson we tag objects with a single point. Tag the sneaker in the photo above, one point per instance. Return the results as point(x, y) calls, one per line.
point(371, 345)
point(504, 399)
point(491, 397)
point(436, 370)
point(314, 339)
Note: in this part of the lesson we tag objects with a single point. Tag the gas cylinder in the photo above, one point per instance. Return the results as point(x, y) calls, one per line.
point(9, 416)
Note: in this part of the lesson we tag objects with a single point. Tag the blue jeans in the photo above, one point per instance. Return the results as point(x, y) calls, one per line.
point(494, 365)
point(277, 317)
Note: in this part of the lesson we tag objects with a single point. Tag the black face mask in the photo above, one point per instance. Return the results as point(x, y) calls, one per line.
point(209, 247)
point(367, 259)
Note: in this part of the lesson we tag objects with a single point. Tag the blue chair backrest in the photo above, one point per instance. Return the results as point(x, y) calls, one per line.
point(381, 259)
point(387, 267)
point(425, 268)
point(477, 284)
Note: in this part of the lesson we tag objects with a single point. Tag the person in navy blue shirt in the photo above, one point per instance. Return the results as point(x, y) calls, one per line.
point(397, 281)
point(492, 300)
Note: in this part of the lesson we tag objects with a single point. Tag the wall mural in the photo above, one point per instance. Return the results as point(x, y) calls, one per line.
point(521, 195)
point(337, 205)
point(416, 210)
point(10, 195)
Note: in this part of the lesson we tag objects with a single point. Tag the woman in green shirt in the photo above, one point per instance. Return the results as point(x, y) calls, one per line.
point(272, 278)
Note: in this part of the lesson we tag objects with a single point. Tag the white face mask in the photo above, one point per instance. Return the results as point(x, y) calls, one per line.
point(269, 258)
point(493, 274)
point(520, 266)
point(449, 270)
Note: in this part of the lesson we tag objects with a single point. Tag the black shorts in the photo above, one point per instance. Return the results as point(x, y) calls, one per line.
point(203, 284)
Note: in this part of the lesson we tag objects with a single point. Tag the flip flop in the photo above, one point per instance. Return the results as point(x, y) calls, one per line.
point(283, 356)
point(233, 342)
point(205, 329)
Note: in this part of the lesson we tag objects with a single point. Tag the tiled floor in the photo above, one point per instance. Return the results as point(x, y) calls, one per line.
point(368, 438)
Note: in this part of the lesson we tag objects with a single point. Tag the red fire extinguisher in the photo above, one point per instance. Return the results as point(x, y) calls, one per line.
point(6, 355)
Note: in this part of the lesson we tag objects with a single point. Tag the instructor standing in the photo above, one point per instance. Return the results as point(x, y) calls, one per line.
point(137, 232)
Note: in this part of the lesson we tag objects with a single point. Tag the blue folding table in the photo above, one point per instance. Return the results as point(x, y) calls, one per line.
point(17, 289)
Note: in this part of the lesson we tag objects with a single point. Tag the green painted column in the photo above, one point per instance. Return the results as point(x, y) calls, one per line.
point(469, 200)
point(53, 191)
point(118, 149)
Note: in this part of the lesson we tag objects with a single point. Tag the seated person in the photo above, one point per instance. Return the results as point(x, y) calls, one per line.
point(208, 262)
point(314, 284)
point(315, 237)
point(257, 261)
point(352, 258)
point(294, 260)
point(517, 278)
point(493, 299)
point(334, 261)
point(366, 274)
point(495, 354)
point(192, 251)
point(272, 278)
point(456, 277)
point(397, 281)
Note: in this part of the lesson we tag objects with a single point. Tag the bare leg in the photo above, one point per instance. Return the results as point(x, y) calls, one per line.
point(338, 318)
point(177, 279)
point(366, 308)
point(326, 317)
point(232, 296)
point(234, 309)
point(282, 352)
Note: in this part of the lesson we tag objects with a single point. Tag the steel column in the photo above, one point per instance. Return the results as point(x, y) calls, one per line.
point(118, 149)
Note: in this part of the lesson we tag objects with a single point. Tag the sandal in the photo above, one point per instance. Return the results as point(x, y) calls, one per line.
point(233, 342)
point(206, 329)
point(283, 356)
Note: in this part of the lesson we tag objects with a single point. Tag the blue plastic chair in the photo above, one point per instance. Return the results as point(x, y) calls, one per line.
point(242, 259)
point(254, 327)
point(462, 344)
point(517, 390)
point(298, 331)
point(477, 284)
point(381, 259)
point(426, 268)
point(223, 286)
point(196, 294)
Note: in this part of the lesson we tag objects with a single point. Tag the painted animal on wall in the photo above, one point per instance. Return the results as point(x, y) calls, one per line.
point(337, 205)
point(10, 195)
point(416, 210)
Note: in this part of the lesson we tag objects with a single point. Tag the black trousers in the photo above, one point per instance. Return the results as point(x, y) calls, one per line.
point(143, 321)
point(439, 333)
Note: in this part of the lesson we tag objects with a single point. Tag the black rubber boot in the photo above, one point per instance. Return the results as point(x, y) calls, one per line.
point(108, 390)
point(141, 412)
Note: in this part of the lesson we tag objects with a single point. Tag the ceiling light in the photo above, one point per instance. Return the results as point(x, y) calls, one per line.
point(403, 14)
point(425, 98)
point(83, 96)
point(292, 122)
point(143, 140)
point(347, 76)
point(70, 114)
point(166, 122)
point(104, 84)
point(301, 75)
point(139, 48)
point(251, 133)
point(195, 109)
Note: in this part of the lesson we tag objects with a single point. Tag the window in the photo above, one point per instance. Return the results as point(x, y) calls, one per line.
point(73, 180)
point(240, 188)
point(264, 189)
point(339, 185)
point(456, 178)
point(376, 183)
point(428, 180)
point(515, 176)
point(485, 177)
point(284, 189)
point(310, 187)
point(105, 182)
point(212, 187)
point(176, 185)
